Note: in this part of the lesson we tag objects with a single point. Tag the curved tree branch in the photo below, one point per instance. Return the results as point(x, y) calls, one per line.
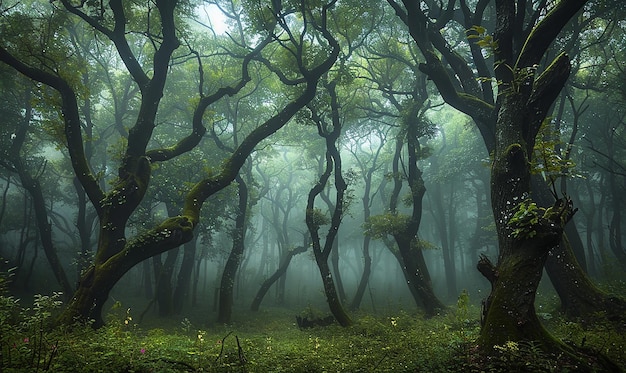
point(546, 31)
point(71, 117)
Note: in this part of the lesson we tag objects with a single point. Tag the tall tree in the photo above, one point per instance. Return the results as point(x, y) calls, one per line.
point(509, 125)
point(391, 67)
point(367, 164)
point(330, 130)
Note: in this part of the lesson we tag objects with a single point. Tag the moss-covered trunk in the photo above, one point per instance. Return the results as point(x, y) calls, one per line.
point(509, 312)
point(89, 298)
point(526, 232)
point(108, 268)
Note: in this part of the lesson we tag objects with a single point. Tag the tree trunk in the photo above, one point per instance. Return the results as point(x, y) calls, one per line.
point(417, 276)
point(413, 263)
point(163, 280)
point(446, 243)
point(525, 235)
point(580, 298)
point(32, 185)
point(312, 216)
point(83, 224)
point(615, 224)
point(147, 280)
point(334, 258)
point(590, 219)
point(227, 283)
point(98, 280)
point(196, 280)
point(526, 232)
point(365, 275)
point(334, 302)
point(334, 255)
point(282, 269)
point(366, 201)
point(181, 291)
point(280, 289)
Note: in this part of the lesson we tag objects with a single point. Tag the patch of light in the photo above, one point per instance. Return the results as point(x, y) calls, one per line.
point(210, 15)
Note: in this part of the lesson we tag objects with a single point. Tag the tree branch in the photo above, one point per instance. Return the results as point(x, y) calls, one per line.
point(546, 31)
point(71, 117)
point(546, 89)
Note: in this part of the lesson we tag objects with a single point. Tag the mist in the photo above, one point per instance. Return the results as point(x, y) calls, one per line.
point(348, 183)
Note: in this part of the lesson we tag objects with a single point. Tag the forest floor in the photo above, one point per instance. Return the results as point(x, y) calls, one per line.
point(271, 341)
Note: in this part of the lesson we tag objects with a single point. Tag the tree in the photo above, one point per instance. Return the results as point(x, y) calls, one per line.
point(509, 125)
point(116, 253)
point(391, 67)
point(367, 164)
point(330, 130)
point(281, 202)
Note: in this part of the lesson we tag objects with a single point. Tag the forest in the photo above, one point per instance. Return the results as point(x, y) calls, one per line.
point(312, 186)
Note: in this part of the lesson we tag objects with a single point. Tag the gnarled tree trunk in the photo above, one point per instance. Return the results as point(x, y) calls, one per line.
point(407, 243)
point(330, 133)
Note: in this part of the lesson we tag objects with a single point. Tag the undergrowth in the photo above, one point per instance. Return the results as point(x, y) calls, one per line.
point(270, 341)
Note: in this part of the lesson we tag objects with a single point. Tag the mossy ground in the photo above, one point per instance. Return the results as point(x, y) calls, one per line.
point(270, 341)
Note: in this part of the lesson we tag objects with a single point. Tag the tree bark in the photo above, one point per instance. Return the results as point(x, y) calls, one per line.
point(365, 275)
point(447, 245)
point(524, 242)
point(163, 282)
point(234, 258)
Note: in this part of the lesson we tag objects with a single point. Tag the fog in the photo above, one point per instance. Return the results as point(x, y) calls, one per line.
point(356, 167)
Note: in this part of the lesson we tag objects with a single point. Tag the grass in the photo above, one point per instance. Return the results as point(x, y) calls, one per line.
point(270, 341)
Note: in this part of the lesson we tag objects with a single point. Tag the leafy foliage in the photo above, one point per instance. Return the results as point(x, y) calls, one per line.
point(25, 342)
point(378, 226)
point(526, 216)
point(548, 158)
point(482, 38)
point(318, 217)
